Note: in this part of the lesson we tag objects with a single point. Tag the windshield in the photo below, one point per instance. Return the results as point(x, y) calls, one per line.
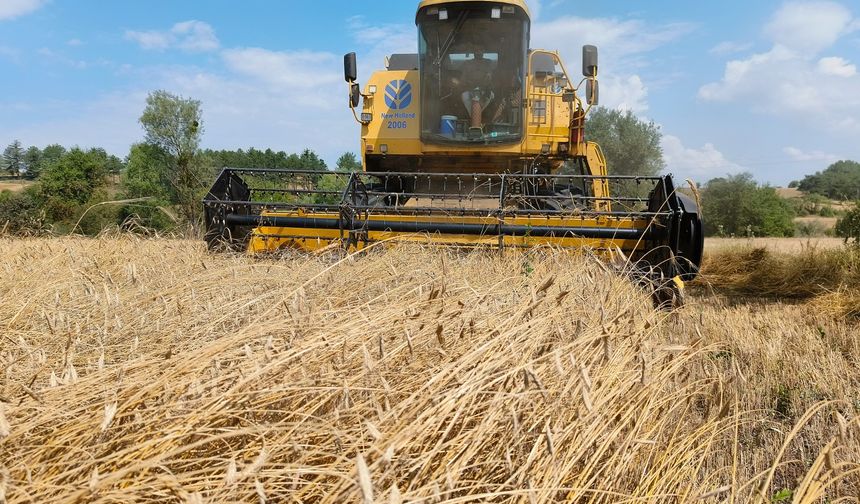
point(472, 73)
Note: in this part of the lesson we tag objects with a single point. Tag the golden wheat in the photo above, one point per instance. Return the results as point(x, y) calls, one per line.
point(150, 370)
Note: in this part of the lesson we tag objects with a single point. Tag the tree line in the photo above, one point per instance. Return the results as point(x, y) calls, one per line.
point(738, 206)
point(158, 186)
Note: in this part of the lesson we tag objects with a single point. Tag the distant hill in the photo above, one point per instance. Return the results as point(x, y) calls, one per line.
point(789, 193)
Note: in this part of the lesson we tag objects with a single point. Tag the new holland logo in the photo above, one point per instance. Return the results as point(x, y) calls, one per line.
point(398, 94)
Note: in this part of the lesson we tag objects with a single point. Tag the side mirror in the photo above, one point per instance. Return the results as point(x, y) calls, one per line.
point(589, 61)
point(350, 68)
point(354, 95)
point(592, 92)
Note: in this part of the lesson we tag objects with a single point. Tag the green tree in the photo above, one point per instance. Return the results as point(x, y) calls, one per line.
point(736, 205)
point(13, 158)
point(147, 175)
point(631, 145)
point(334, 185)
point(348, 162)
point(841, 181)
point(174, 124)
point(311, 162)
point(51, 154)
point(849, 226)
point(113, 165)
point(71, 182)
point(33, 162)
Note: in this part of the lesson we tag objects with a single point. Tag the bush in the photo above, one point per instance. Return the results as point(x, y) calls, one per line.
point(94, 218)
point(810, 229)
point(810, 204)
point(737, 205)
point(20, 213)
point(70, 183)
point(849, 226)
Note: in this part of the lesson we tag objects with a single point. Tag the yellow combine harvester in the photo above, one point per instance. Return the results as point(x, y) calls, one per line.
point(476, 140)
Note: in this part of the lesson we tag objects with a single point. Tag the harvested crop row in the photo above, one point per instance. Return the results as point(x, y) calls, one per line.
point(828, 276)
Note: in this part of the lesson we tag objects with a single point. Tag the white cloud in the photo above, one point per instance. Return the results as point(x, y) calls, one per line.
point(809, 26)
point(836, 66)
point(624, 93)
point(728, 47)
point(699, 164)
point(150, 40)
point(790, 79)
point(74, 42)
point(739, 72)
point(800, 155)
point(300, 69)
point(622, 44)
point(10, 9)
point(191, 36)
point(195, 36)
point(616, 38)
point(380, 41)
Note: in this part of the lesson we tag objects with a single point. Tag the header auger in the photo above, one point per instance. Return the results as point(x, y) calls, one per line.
point(476, 140)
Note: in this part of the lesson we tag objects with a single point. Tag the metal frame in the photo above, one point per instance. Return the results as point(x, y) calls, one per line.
point(480, 205)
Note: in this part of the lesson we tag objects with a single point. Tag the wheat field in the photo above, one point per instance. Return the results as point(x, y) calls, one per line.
point(150, 370)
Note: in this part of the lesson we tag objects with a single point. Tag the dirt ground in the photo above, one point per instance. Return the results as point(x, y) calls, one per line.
point(13, 185)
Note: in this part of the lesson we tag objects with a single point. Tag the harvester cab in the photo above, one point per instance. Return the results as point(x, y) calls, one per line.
point(475, 140)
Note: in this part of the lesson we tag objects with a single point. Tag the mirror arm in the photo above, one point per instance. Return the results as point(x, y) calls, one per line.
point(358, 119)
point(587, 110)
point(352, 108)
point(590, 105)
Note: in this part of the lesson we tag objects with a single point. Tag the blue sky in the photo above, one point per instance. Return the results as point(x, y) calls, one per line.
point(769, 87)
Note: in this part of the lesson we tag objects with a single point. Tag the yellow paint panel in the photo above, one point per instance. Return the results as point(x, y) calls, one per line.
point(395, 110)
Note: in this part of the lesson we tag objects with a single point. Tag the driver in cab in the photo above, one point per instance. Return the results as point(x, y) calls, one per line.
point(477, 78)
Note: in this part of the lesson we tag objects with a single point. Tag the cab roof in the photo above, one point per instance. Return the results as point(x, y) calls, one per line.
point(516, 3)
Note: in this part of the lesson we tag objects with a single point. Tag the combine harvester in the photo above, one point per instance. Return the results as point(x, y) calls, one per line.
point(476, 140)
